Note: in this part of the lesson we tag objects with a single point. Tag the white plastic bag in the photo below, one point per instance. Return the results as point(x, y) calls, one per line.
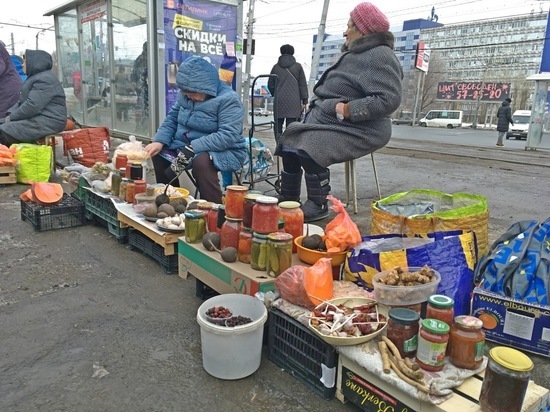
point(262, 161)
point(133, 149)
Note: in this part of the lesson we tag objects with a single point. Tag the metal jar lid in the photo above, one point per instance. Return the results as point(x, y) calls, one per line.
point(511, 359)
point(469, 322)
point(436, 326)
point(403, 315)
point(441, 301)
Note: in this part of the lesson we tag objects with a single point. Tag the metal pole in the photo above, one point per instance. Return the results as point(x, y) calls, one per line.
point(417, 97)
point(318, 45)
point(248, 74)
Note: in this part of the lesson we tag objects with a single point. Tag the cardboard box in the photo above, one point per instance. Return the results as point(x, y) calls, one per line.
point(372, 394)
point(223, 277)
point(513, 322)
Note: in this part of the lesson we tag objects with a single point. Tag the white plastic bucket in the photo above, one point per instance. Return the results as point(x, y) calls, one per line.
point(232, 353)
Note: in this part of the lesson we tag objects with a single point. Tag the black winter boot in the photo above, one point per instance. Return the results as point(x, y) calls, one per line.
point(318, 187)
point(291, 186)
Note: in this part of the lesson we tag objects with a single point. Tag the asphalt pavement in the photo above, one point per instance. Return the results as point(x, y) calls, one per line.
point(88, 324)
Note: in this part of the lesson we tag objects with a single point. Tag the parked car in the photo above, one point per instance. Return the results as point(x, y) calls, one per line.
point(521, 125)
point(259, 111)
point(403, 120)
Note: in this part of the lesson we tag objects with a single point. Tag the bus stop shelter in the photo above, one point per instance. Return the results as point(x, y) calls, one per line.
point(117, 59)
point(538, 136)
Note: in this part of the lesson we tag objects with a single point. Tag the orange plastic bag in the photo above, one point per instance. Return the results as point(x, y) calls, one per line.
point(341, 233)
point(306, 287)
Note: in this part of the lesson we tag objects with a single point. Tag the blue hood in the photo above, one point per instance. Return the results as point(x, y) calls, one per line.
point(199, 76)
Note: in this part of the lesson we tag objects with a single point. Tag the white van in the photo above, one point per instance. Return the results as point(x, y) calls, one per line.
point(442, 118)
point(520, 128)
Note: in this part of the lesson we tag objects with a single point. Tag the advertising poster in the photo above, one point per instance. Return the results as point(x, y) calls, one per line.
point(199, 28)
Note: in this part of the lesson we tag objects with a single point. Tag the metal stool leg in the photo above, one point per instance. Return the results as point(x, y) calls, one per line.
point(376, 176)
point(353, 186)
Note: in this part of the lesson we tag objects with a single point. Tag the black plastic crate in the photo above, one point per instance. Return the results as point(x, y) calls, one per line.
point(301, 353)
point(139, 241)
point(203, 291)
point(69, 212)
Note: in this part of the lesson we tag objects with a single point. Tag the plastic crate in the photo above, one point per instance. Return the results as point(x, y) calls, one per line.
point(80, 191)
point(295, 348)
point(69, 212)
point(203, 291)
point(102, 210)
point(139, 241)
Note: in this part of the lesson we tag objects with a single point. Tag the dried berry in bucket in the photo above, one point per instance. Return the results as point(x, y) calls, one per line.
point(237, 321)
point(219, 312)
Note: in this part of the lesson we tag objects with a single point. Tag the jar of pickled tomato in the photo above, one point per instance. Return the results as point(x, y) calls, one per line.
point(466, 342)
point(234, 201)
point(244, 250)
point(212, 218)
point(229, 236)
point(432, 344)
point(265, 215)
point(293, 217)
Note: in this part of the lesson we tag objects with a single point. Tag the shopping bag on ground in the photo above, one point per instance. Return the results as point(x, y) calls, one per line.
point(453, 254)
point(87, 146)
point(34, 162)
point(518, 263)
point(262, 162)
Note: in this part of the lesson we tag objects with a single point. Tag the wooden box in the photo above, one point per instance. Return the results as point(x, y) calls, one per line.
point(7, 175)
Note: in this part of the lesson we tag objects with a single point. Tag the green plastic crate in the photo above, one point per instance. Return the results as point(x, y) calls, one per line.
point(102, 211)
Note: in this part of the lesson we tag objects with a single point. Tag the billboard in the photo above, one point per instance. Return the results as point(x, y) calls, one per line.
point(200, 28)
point(422, 56)
point(473, 91)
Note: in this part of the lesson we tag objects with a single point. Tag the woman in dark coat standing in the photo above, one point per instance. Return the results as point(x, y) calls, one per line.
point(42, 109)
point(504, 119)
point(348, 116)
point(291, 93)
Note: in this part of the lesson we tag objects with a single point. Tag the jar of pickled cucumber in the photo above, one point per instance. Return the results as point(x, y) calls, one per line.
point(279, 253)
point(195, 226)
point(258, 258)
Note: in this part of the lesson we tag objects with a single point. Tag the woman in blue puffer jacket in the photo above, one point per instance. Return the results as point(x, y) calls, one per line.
point(204, 127)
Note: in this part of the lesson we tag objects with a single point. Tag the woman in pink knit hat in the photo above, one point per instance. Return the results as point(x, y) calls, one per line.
point(348, 116)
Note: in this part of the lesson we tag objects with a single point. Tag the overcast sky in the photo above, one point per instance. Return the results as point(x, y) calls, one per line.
point(279, 21)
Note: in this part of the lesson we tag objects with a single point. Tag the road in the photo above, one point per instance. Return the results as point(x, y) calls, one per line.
point(74, 303)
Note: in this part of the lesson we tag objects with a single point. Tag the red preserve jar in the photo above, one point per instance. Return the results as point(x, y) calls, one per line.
point(140, 186)
point(212, 218)
point(466, 342)
point(249, 202)
point(234, 201)
point(265, 215)
point(229, 236)
point(441, 307)
point(432, 344)
point(121, 161)
point(403, 330)
point(293, 218)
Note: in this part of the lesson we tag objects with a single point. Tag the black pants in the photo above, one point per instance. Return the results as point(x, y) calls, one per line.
point(293, 163)
point(7, 140)
point(280, 122)
point(203, 170)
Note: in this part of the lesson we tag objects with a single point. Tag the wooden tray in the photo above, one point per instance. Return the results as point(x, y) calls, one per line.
point(7, 175)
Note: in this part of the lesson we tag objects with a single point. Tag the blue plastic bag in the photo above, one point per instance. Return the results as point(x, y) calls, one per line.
point(453, 254)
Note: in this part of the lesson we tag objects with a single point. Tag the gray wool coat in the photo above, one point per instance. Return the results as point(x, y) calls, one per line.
point(504, 117)
point(41, 109)
point(367, 76)
point(10, 82)
point(291, 90)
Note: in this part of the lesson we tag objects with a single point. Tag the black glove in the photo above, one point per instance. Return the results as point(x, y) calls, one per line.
point(184, 158)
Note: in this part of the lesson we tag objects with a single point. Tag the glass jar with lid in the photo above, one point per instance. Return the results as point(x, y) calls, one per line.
point(505, 382)
point(244, 250)
point(441, 307)
point(140, 186)
point(249, 202)
point(136, 171)
point(258, 258)
point(265, 215)
point(279, 253)
point(234, 200)
point(122, 190)
point(292, 215)
point(466, 342)
point(195, 226)
point(403, 330)
point(432, 344)
point(229, 236)
point(212, 218)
